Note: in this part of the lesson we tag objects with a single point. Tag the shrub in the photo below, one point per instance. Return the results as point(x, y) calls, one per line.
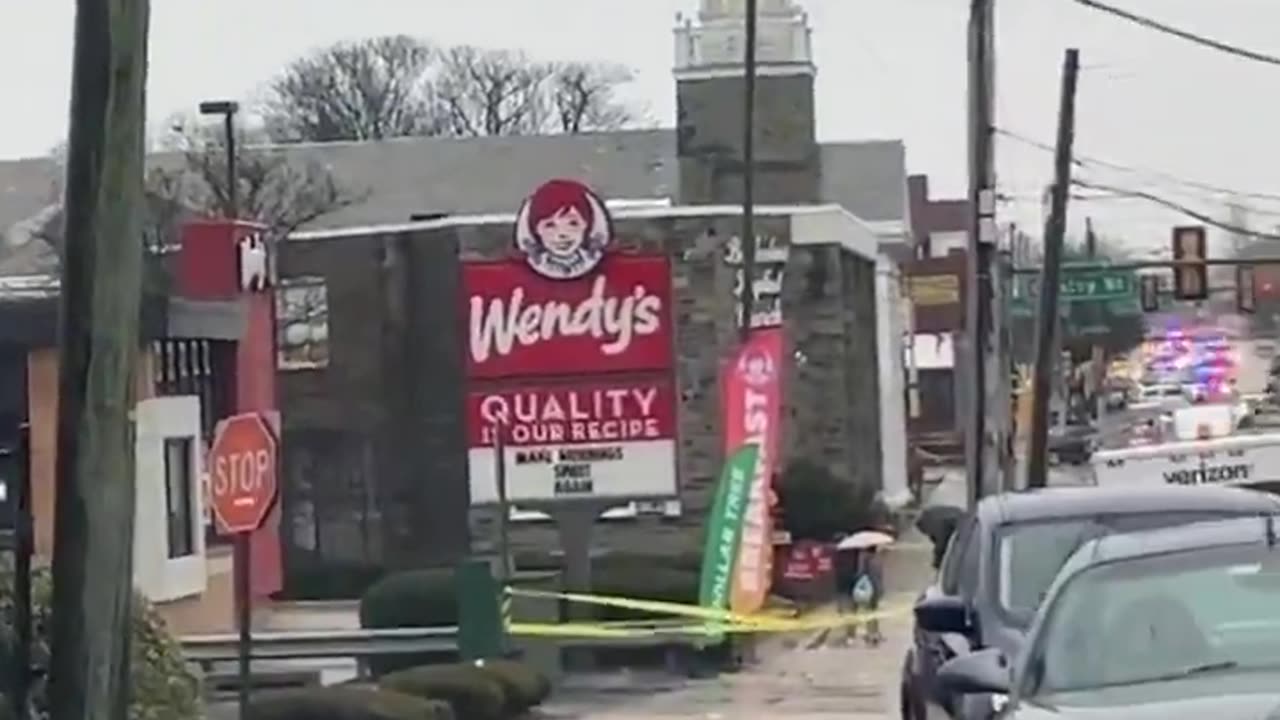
point(473, 693)
point(817, 505)
point(346, 703)
point(162, 687)
point(329, 581)
point(523, 686)
point(417, 598)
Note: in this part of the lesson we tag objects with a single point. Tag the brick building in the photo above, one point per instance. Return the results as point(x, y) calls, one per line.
point(205, 353)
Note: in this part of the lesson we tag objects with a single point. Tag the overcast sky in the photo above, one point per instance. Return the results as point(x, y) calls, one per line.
point(887, 69)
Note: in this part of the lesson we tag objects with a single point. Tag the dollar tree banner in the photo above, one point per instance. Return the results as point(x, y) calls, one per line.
point(724, 528)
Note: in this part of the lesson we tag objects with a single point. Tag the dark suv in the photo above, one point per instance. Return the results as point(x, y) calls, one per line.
point(1003, 557)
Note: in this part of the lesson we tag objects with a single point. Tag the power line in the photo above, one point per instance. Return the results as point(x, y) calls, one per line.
point(1184, 34)
point(1083, 161)
point(1177, 207)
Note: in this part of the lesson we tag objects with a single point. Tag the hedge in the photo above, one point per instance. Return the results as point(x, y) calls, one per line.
point(162, 688)
point(417, 598)
point(346, 703)
point(474, 693)
point(523, 686)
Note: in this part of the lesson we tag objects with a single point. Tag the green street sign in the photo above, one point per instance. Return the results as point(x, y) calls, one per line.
point(1084, 286)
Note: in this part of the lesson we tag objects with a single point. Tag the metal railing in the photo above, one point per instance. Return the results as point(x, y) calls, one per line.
point(312, 644)
point(304, 644)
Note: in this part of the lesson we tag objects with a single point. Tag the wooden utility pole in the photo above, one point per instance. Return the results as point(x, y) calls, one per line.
point(98, 348)
point(981, 232)
point(1050, 277)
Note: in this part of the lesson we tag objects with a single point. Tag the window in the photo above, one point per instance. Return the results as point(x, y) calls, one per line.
point(953, 561)
point(1029, 555)
point(302, 324)
point(178, 483)
point(1154, 621)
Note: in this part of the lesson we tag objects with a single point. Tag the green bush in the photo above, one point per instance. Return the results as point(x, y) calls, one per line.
point(346, 703)
point(162, 687)
point(817, 505)
point(473, 693)
point(417, 598)
point(523, 685)
point(329, 581)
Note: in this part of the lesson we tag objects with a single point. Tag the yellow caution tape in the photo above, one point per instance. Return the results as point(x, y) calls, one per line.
point(715, 622)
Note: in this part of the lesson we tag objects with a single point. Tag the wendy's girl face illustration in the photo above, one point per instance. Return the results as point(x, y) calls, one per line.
point(563, 229)
point(562, 233)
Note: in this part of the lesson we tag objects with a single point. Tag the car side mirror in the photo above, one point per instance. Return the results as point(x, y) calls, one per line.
point(984, 671)
point(944, 614)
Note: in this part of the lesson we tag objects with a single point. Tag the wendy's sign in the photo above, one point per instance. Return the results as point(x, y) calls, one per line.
point(520, 323)
point(569, 357)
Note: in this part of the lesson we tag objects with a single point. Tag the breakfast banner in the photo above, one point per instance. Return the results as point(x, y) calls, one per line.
point(752, 394)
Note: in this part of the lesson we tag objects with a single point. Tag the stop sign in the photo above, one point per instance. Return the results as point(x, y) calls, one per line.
point(242, 472)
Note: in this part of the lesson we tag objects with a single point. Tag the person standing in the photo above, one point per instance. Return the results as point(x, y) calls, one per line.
point(868, 587)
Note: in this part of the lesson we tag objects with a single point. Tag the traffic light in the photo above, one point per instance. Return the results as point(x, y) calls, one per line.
point(1190, 282)
point(1150, 291)
point(1246, 290)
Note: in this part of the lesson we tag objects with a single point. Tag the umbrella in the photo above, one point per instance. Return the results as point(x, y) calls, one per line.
point(865, 539)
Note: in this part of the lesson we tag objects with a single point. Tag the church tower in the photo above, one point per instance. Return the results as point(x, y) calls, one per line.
point(709, 103)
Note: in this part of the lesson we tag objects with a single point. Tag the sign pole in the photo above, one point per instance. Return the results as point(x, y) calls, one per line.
point(244, 619)
point(243, 461)
point(504, 510)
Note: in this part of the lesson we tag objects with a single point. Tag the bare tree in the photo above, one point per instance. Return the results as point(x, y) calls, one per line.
point(490, 92)
point(278, 187)
point(365, 90)
point(584, 97)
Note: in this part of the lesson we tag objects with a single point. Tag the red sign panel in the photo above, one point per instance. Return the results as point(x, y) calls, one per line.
point(521, 324)
point(242, 473)
point(809, 560)
point(581, 413)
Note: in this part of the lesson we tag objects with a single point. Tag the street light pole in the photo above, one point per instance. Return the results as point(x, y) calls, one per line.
point(748, 240)
point(227, 109)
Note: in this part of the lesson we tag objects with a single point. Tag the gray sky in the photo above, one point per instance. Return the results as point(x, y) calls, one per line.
point(887, 69)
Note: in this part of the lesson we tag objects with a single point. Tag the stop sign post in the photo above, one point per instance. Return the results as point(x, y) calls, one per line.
point(242, 489)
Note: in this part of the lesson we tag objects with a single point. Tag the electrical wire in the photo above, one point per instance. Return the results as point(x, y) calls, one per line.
point(1201, 40)
point(1179, 208)
point(1083, 161)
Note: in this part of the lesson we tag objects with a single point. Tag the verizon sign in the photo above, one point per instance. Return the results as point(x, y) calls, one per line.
point(520, 323)
point(607, 439)
point(569, 357)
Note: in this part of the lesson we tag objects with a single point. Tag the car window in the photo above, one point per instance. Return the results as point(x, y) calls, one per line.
point(949, 574)
point(1029, 555)
point(1154, 619)
point(970, 563)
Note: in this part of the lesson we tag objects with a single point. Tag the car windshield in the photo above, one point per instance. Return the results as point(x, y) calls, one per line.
point(1029, 555)
point(1162, 618)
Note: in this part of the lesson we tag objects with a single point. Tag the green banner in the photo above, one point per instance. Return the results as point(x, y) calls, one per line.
point(724, 528)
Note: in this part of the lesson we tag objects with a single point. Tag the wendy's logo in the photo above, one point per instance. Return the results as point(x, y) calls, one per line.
point(563, 229)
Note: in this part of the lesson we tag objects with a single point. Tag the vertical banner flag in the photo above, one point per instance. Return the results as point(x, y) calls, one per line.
point(752, 393)
point(724, 529)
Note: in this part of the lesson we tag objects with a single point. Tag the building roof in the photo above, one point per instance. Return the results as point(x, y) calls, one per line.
point(397, 179)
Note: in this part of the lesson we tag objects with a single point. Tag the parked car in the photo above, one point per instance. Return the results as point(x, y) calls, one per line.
point(1072, 444)
point(1003, 557)
point(1170, 624)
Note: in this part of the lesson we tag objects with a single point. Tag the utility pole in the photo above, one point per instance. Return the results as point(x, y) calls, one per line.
point(101, 294)
point(1050, 276)
point(748, 240)
point(981, 232)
